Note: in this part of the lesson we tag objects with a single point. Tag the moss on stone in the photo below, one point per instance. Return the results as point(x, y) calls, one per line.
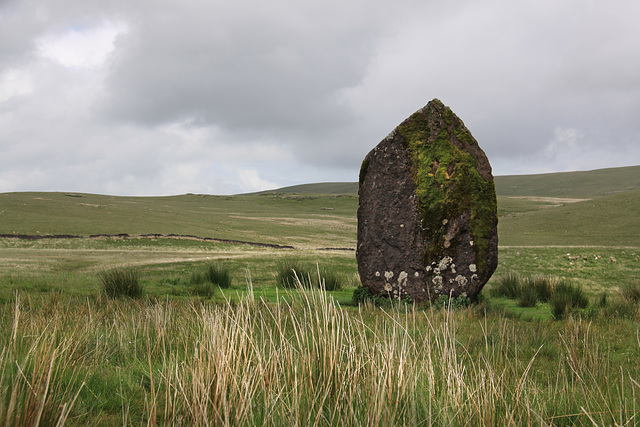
point(448, 184)
point(448, 114)
point(364, 168)
point(463, 135)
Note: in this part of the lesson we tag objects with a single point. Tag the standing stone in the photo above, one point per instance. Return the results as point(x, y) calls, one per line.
point(427, 218)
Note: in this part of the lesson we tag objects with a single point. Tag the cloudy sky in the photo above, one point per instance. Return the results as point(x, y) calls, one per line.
point(139, 97)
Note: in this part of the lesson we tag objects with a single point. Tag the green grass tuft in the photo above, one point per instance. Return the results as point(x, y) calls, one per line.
point(631, 291)
point(204, 283)
point(292, 274)
point(218, 274)
point(528, 297)
point(567, 297)
point(508, 286)
point(119, 282)
point(203, 289)
point(540, 286)
point(330, 280)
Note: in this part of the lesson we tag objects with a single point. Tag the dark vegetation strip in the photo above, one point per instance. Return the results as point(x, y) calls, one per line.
point(337, 249)
point(40, 237)
point(127, 236)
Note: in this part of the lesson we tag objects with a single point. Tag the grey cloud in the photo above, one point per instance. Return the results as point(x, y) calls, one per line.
point(275, 67)
point(515, 74)
point(197, 93)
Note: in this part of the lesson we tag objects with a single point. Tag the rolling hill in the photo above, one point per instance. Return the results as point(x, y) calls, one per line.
point(318, 188)
point(600, 182)
point(601, 221)
point(598, 207)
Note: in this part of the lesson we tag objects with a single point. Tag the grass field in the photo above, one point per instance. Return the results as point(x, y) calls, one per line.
point(257, 354)
point(596, 183)
point(305, 221)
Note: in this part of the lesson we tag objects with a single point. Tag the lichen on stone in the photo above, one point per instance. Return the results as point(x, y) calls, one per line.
point(402, 278)
point(461, 280)
point(444, 263)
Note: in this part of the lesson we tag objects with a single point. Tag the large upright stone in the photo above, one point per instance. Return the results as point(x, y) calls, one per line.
point(427, 219)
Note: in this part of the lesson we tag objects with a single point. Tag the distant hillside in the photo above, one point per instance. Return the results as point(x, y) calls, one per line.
point(595, 183)
point(610, 220)
point(600, 182)
point(319, 188)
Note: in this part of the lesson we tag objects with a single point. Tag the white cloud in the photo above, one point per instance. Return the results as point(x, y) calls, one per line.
point(250, 181)
point(81, 47)
point(14, 82)
point(564, 140)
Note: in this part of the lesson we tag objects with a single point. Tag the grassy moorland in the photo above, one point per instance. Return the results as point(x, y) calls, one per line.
point(596, 183)
point(600, 182)
point(254, 353)
point(289, 219)
point(600, 221)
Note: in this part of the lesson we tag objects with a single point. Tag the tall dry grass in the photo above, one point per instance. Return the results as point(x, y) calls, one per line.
point(39, 384)
point(303, 362)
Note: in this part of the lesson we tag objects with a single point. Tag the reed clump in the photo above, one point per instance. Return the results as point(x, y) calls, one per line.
point(204, 283)
point(562, 295)
point(294, 274)
point(121, 282)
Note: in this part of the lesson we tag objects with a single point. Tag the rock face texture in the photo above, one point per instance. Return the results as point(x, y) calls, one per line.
point(427, 218)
